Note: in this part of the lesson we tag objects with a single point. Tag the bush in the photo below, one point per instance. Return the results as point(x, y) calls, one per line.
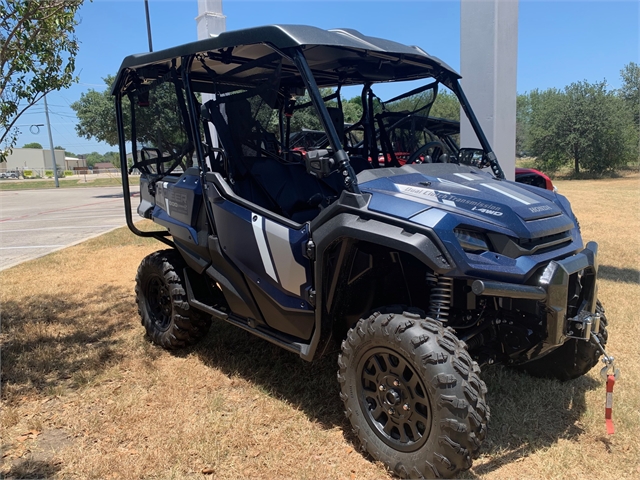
point(48, 173)
point(68, 173)
point(27, 173)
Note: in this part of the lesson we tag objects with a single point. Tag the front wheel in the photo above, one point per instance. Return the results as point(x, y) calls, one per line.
point(413, 395)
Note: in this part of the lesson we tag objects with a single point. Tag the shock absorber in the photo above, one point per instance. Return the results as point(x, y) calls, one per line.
point(441, 296)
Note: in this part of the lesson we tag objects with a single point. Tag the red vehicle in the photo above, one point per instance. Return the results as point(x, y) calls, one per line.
point(440, 137)
point(534, 177)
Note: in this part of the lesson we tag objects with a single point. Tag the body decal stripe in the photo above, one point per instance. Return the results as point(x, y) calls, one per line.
point(292, 275)
point(465, 177)
point(459, 185)
point(511, 194)
point(258, 232)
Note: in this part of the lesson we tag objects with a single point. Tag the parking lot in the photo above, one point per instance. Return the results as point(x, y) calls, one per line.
point(34, 223)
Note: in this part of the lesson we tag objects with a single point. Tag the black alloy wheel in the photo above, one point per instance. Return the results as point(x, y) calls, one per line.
point(395, 400)
point(158, 302)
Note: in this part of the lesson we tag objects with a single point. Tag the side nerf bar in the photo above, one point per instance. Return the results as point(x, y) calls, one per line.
point(553, 289)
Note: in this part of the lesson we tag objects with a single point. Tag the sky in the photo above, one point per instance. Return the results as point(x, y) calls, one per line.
point(559, 42)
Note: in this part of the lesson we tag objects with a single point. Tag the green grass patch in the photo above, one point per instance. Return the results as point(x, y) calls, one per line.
point(73, 182)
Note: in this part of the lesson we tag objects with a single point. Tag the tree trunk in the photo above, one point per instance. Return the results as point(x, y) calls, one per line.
point(576, 160)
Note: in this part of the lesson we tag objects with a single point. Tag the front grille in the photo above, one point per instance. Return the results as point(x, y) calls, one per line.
point(515, 248)
point(541, 243)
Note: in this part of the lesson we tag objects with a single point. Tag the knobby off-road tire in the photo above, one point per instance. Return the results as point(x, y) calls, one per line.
point(413, 395)
point(573, 359)
point(162, 302)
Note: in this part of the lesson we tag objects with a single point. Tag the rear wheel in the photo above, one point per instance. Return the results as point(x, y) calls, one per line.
point(572, 359)
point(162, 302)
point(413, 395)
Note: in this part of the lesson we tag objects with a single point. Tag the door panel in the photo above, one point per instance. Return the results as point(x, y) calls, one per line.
point(269, 254)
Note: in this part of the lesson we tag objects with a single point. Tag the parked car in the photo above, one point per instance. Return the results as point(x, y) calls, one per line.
point(8, 175)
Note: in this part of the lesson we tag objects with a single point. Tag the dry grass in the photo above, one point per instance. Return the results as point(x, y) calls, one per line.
point(85, 395)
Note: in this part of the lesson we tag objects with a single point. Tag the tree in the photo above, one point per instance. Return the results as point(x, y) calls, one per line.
point(113, 157)
point(32, 145)
point(523, 120)
point(446, 106)
point(630, 90)
point(630, 93)
point(93, 158)
point(544, 124)
point(585, 124)
point(96, 114)
point(159, 121)
point(352, 110)
point(37, 55)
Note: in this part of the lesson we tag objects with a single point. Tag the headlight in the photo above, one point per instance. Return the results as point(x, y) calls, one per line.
point(472, 242)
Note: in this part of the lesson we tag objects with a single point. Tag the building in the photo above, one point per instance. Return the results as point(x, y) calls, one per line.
point(104, 167)
point(75, 164)
point(36, 159)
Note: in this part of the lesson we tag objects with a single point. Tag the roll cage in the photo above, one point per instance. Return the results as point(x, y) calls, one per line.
point(175, 94)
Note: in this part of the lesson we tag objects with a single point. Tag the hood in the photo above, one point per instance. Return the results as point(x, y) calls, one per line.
point(476, 197)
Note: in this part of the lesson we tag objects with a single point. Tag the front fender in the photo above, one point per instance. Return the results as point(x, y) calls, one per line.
point(349, 227)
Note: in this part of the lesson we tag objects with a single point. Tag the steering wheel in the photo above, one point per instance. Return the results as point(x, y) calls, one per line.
point(435, 145)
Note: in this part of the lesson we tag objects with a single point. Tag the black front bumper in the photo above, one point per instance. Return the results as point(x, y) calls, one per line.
point(553, 291)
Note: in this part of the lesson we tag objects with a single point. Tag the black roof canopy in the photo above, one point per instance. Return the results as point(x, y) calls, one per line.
point(336, 56)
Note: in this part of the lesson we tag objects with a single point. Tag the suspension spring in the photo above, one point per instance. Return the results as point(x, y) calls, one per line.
point(441, 296)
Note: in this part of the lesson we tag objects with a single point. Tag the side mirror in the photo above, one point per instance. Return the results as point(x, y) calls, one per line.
point(472, 156)
point(319, 163)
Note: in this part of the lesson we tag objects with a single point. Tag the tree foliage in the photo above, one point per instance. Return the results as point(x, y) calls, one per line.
point(308, 117)
point(95, 157)
point(630, 90)
point(37, 55)
point(446, 106)
point(32, 145)
point(96, 114)
point(584, 125)
point(523, 121)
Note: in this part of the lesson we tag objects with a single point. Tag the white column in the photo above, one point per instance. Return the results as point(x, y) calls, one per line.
point(488, 65)
point(210, 21)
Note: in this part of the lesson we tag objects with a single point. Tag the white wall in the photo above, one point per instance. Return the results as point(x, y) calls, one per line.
point(32, 159)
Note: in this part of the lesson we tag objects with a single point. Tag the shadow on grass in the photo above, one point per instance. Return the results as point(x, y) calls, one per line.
point(312, 387)
point(51, 343)
point(615, 274)
point(528, 414)
point(29, 468)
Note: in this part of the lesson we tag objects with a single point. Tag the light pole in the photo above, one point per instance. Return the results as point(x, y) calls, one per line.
point(53, 153)
point(146, 9)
